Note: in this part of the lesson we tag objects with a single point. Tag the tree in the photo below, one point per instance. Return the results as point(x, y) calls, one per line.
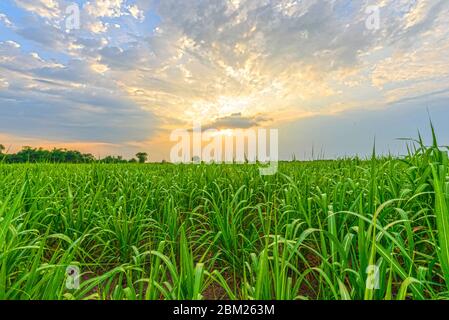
point(3, 157)
point(113, 159)
point(142, 156)
point(34, 155)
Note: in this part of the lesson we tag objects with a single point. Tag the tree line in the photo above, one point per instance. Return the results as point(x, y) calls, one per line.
point(34, 155)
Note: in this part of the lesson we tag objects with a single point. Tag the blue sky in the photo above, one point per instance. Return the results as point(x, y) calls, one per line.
point(136, 70)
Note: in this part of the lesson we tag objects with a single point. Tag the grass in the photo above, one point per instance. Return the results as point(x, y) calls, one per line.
point(316, 230)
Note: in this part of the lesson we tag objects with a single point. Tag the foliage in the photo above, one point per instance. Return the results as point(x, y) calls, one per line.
point(223, 231)
point(142, 156)
point(39, 155)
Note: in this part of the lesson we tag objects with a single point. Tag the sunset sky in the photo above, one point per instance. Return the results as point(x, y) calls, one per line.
point(136, 70)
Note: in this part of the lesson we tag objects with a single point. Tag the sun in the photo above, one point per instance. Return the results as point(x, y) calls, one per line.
point(223, 133)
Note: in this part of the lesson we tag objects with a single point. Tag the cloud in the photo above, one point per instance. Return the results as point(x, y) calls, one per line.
point(99, 149)
point(97, 27)
point(237, 121)
point(104, 8)
point(4, 19)
point(136, 12)
point(43, 8)
point(203, 54)
point(47, 35)
point(3, 83)
point(224, 63)
point(12, 44)
point(45, 99)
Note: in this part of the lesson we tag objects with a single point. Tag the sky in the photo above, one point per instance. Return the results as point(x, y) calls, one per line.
point(323, 72)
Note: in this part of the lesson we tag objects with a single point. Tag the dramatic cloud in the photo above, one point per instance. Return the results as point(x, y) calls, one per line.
point(136, 12)
point(136, 69)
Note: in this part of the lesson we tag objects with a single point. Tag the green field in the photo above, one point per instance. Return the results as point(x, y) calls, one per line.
point(162, 231)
